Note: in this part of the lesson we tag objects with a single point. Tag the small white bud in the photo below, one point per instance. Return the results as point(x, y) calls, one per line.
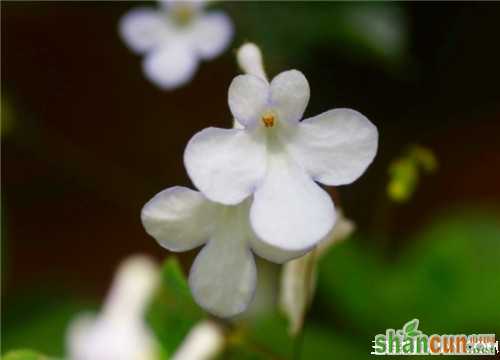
point(250, 60)
point(298, 278)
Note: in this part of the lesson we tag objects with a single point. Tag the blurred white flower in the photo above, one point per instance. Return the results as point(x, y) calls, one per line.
point(174, 38)
point(298, 278)
point(204, 341)
point(277, 158)
point(223, 276)
point(119, 331)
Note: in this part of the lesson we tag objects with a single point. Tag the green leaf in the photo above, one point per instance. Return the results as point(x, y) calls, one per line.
point(172, 311)
point(263, 337)
point(39, 320)
point(450, 269)
point(374, 31)
point(413, 333)
point(411, 326)
point(24, 355)
point(323, 343)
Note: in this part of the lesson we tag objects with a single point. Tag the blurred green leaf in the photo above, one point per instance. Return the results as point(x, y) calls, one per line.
point(262, 337)
point(269, 340)
point(379, 28)
point(449, 273)
point(321, 343)
point(39, 321)
point(173, 311)
point(373, 30)
point(24, 355)
point(271, 332)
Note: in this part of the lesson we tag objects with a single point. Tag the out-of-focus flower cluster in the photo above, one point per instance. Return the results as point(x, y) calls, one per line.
point(174, 38)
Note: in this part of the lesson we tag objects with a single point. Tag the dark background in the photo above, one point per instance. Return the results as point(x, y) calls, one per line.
point(87, 140)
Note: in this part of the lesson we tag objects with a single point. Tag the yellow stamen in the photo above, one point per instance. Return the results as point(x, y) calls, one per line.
point(183, 13)
point(268, 120)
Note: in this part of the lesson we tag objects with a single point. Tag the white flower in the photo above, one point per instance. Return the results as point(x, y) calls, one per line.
point(174, 38)
point(277, 158)
point(223, 276)
point(119, 332)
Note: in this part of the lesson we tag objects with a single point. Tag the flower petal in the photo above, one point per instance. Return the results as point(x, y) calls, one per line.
point(143, 29)
point(290, 95)
point(290, 211)
point(272, 253)
point(205, 340)
point(212, 34)
point(178, 218)
point(223, 276)
point(77, 333)
point(335, 147)
point(260, 248)
point(194, 5)
point(133, 285)
point(102, 340)
point(248, 97)
point(171, 66)
point(225, 164)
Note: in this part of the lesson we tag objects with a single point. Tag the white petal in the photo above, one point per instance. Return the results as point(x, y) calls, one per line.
point(178, 218)
point(223, 276)
point(248, 97)
point(194, 5)
point(335, 147)
point(133, 285)
point(205, 341)
point(272, 253)
point(212, 34)
point(225, 164)
point(143, 29)
point(105, 340)
point(119, 331)
point(290, 211)
point(76, 335)
point(290, 95)
point(170, 66)
point(260, 248)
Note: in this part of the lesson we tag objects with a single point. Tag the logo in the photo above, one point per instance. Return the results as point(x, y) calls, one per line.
point(411, 341)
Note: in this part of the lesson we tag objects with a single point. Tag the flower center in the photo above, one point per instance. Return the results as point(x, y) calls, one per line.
point(183, 13)
point(269, 118)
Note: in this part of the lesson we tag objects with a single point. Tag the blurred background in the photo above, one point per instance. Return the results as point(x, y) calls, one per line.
point(87, 140)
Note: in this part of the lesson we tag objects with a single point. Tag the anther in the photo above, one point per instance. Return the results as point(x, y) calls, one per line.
point(268, 120)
